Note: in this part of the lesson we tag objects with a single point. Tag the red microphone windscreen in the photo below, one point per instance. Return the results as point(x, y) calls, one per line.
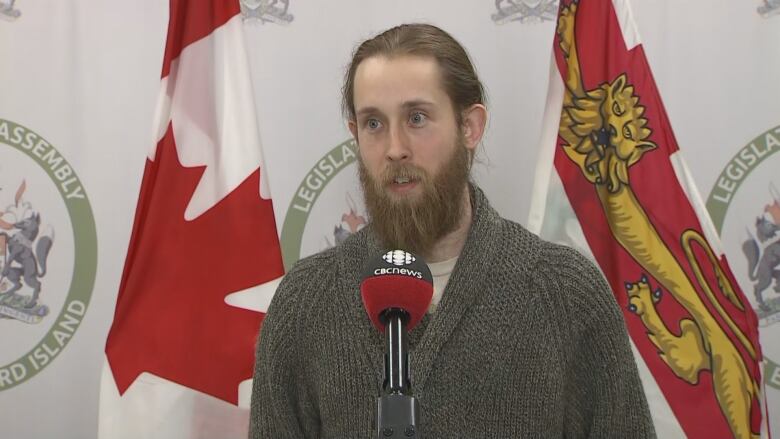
point(397, 279)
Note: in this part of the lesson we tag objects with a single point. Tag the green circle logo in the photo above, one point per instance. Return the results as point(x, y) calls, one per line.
point(327, 167)
point(761, 225)
point(25, 247)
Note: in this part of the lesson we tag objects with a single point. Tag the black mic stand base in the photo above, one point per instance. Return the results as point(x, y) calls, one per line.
point(397, 417)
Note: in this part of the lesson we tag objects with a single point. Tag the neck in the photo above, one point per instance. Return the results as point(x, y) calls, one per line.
point(451, 244)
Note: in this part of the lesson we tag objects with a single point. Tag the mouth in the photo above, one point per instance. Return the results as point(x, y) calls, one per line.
point(402, 184)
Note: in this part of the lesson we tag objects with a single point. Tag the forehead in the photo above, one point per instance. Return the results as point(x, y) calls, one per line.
point(385, 83)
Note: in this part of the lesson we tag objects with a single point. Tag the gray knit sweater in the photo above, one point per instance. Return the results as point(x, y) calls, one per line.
point(526, 342)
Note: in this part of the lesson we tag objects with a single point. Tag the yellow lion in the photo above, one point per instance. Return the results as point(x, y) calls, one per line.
point(605, 133)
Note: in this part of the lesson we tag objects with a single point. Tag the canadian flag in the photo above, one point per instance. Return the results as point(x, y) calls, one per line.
point(611, 181)
point(204, 257)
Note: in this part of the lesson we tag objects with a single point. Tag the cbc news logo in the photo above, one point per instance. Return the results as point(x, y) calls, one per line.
point(398, 257)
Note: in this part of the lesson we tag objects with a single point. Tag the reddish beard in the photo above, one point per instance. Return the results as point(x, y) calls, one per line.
point(416, 223)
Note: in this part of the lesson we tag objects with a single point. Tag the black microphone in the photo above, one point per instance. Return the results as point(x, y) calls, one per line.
point(397, 288)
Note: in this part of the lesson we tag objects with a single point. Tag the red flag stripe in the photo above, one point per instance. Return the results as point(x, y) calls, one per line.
point(191, 20)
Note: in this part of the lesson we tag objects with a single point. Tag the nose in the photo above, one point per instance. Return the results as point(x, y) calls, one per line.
point(398, 147)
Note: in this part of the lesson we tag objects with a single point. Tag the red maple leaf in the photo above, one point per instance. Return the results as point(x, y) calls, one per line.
point(171, 318)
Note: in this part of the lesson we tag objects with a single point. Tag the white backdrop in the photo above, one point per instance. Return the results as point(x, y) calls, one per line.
point(84, 74)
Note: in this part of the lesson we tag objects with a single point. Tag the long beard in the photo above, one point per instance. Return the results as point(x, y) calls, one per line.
point(416, 223)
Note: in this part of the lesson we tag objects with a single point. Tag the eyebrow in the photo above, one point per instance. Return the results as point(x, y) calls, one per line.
point(416, 103)
point(405, 105)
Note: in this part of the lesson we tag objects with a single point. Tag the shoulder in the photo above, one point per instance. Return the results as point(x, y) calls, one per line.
point(312, 278)
point(301, 281)
point(572, 282)
point(567, 263)
point(316, 264)
point(559, 274)
point(306, 274)
point(545, 259)
point(285, 324)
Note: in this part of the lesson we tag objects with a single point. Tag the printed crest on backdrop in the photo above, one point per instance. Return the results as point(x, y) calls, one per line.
point(24, 250)
point(762, 251)
point(267, 11)
point(335, 220)
point(46, 280)
point(769, 8)
point(745, 208)
point(525, 11)
point(7, 10)
point(351, 222)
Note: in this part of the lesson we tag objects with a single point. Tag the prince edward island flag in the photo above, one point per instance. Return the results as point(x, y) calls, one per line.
point(611, 182)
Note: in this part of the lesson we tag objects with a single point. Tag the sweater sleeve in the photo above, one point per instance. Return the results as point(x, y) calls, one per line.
point(607, 399)
point(280, 405)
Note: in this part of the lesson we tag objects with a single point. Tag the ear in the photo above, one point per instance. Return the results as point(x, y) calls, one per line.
point(352, 125)
point(618, 84)
point(474, 122)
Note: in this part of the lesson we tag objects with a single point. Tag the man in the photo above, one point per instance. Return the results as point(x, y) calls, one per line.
point(525, 340)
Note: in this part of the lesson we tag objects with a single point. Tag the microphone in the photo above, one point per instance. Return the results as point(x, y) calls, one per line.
point(397, 288)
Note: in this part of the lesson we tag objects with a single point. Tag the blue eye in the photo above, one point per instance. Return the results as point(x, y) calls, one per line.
point(373, 124)
point(417, 118)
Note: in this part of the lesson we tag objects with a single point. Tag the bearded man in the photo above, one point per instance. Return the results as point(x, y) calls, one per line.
point(523, 337)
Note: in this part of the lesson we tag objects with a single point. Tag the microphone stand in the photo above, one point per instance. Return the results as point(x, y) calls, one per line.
point(397, 411)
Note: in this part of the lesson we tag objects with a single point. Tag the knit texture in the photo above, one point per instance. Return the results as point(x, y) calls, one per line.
point(527, 341)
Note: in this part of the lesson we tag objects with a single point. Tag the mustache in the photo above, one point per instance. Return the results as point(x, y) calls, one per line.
point(394, 171)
